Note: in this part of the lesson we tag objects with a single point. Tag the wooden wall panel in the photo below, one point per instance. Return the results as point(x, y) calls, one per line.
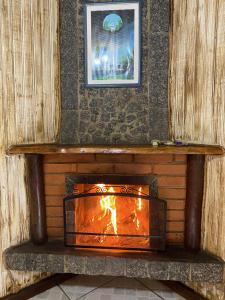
point(29, 112)
point(197, 106)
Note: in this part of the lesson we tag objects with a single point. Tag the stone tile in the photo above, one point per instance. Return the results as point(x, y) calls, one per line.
point(160, 15)
point(158, 270)
point(55, 263)
point(137, 268)
point(15, 262)
point(115, 266)
point(67, 6)
point(69, 94)
point(45, 263)
point(74, 264)
point(95, 265)
point(69, 127)
point(158, 120)
point(123, 288)
point(179, 271)
point(82, 285)
point(108, 288)
point(68, 57)
point(160, 289)
point(54, 293)
point(207, 272)
point(36, 262)
point(158, 56)
point(68, 37)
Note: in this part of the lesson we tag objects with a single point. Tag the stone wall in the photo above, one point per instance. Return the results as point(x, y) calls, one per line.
point(114, 115)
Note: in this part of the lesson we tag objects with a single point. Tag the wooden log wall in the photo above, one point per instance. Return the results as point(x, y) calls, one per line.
point(29, 112)
point(197, 107)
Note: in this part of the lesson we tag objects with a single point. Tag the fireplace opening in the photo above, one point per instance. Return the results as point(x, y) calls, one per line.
point(112, 215)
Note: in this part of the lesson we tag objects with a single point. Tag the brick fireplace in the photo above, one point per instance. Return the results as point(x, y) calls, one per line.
point(169, 173)
point(179, 176)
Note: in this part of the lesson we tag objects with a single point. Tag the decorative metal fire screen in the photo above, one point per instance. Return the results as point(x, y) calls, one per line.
point(114, 216)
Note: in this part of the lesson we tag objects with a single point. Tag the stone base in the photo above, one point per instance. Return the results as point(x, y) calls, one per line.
point(173, 264)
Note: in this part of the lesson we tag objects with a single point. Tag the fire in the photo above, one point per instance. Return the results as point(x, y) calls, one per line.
point(139, 206)
point(108, 205)
point(117, 220)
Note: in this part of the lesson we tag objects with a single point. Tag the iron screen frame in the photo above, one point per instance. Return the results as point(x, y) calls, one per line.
point(161, 237)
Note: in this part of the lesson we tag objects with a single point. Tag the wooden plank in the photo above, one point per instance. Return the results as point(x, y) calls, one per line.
point(193, 209)
point(29, 113)
point(197, 107)
point(35, 187)
point(102, 149)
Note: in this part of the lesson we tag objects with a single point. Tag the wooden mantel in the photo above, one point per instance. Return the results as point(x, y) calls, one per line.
point(116, 149)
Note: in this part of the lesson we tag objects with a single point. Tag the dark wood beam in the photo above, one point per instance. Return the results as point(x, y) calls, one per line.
point(35, 186)
point(193, 209)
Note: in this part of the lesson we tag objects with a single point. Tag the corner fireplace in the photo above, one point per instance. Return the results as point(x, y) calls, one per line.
point(126, 170)
point(114, 213)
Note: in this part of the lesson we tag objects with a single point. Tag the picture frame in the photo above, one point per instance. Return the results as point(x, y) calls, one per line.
point(113, 44)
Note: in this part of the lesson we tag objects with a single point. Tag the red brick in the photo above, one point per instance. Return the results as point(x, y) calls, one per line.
point(175, 215)
point(55, 232)
point(180, 157)
point(55, 222)
point(175, 227)
point(132, 169)
point(54, 200)
point(53, 179)
point(175, 204)
point(55, 190)
point(171, 193)
point(120, 158)
point(95, 168)
point(69, 158)
point(171, 181)
point(60, 168)
point(54, 211)
point(170, 169)
point(153, 158)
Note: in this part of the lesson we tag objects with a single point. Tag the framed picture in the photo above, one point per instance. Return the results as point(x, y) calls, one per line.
point(112, 44)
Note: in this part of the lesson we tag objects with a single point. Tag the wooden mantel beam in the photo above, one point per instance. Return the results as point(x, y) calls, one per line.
point(116, 149)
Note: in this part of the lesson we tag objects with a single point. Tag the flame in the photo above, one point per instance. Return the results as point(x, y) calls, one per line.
point(138, 223)
point(112, 217)
point(139, 204)
point(108, 205)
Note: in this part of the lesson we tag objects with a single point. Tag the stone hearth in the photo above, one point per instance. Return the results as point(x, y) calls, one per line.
point(173, 264)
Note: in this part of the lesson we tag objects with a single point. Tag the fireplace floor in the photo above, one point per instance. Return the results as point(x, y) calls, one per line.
point(173, 264)
point(110, 288)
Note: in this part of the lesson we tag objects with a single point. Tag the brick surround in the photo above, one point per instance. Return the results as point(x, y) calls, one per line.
point(169, 169)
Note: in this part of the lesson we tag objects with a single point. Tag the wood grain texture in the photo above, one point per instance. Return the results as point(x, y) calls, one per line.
point(29, 112)
point(112, 149)
point(197, 107)
point(193, 207)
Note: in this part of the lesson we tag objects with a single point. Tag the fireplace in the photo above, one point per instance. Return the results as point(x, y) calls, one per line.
point(55, 171)
point(114, 212)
